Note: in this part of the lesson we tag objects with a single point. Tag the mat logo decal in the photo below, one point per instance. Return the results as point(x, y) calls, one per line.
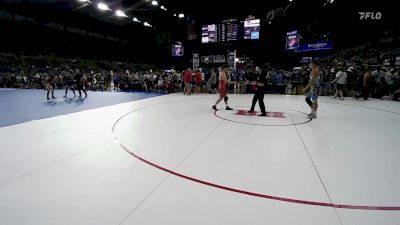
point(269, 114)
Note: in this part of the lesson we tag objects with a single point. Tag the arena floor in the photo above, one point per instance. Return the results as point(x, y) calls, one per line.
point(172, 160)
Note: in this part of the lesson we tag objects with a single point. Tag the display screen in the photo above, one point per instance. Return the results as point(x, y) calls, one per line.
point(177, 50)
point(222, 33)
point(209, 33)
point(252, 29)
point(315, 46)
point(292, 40)
point(232, 29)
point(227, 30)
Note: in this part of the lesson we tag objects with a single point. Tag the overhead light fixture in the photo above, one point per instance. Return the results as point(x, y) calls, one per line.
point(146, 24)
point(136, 20)
point(84, 1)
point(154, 2)
point(103, 7)
point(181, 15)
point(119, 13)
point(174, 14)
point(162, 7)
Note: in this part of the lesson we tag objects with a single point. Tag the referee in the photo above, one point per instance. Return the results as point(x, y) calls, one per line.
point(260, 91)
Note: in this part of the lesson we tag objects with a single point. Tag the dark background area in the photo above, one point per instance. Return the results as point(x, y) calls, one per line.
point(28, 27)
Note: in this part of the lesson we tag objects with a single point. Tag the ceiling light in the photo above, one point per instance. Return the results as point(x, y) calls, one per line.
point(103, 7)
point(181, 15)
point(154, 2)
point(119, 13)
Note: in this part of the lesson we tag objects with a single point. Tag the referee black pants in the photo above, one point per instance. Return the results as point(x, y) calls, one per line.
point(258, 96)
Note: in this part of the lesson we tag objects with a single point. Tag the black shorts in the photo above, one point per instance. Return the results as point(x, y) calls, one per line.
point(69, 83)
point(340, 87)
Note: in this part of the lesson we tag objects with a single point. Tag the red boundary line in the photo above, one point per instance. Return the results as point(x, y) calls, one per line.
point(296, 201)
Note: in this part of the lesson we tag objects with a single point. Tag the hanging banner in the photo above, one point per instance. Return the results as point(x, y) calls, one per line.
point(231, 60)
point(292, 40)
point(196, 60)
point(213, 59)
point(218, 58)
point(316, 46)
point(205, 59)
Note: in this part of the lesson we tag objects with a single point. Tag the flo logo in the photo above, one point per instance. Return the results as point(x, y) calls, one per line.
point(370, 15)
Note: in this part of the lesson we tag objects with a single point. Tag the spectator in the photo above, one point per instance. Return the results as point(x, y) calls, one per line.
point(396, 95)
point(79, 83)
point(174, 80)
point(213, 82)
point(340, 80)
point(160, 84)
point(187, 79)
point(199, 82)
point(116, 80)
point(378, 77)
point(389, 82)
point(324, 82)
point(295, 80)
point(367, 80)
point(277, 77)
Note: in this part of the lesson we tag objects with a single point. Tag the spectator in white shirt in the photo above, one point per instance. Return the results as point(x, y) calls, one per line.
point(160, 84)
point(340, 80)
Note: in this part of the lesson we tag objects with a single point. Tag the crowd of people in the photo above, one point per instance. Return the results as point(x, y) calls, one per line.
point(338, 80)
point(101, 81)
point(49, 72)
point(340, 77)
